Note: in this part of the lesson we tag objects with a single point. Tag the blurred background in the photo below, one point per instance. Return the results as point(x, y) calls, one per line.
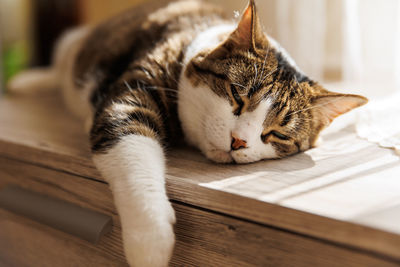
point(350, 44)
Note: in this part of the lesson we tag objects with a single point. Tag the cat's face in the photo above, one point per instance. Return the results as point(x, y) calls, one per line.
point(244, 100)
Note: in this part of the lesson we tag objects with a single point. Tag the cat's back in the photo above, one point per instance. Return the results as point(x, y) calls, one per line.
point(111, 46)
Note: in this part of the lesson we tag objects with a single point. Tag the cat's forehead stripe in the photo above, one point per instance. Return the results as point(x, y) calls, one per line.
point(286, 119)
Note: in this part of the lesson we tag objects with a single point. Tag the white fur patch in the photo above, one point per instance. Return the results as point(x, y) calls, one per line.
point(135, 169)
point(206, 119)
point(249, 127)
point(196, 104)
point(207, 40)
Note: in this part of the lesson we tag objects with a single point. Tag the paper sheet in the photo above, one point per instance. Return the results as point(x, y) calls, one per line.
point(379, 122)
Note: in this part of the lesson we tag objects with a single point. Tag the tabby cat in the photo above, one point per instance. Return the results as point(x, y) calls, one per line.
point(151, 75)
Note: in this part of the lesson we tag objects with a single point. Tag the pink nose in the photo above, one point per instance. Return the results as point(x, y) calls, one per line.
point(237, 143)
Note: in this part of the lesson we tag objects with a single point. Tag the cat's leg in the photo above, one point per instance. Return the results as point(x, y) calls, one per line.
point(134, 168)
point(127, 151)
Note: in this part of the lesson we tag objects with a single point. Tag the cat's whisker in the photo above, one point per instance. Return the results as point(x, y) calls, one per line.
point(140, 86)
point(169, 73)
point(256, 70)
point(148, 72)
point(298, 84)
point(127, 85)
point(269, 74)
point(167, 70)
point(161, 88)
point(263, 97)
point(238, 84)
point(265, 60)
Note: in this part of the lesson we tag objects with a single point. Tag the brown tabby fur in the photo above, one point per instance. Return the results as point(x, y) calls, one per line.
point(136, 59)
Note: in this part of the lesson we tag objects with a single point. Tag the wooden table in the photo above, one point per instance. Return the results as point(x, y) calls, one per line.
point(336, 205)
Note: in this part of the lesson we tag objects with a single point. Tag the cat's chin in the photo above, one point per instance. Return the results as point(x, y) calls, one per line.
point(243, 158)
point(219, 156)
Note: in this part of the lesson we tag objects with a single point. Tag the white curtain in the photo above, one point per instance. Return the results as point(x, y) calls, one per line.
point(372, 42)
point(301, 29)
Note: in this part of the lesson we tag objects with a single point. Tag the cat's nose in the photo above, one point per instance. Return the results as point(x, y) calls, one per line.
point(237, 143)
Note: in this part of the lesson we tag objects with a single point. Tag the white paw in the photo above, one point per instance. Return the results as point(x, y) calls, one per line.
point(151, 244)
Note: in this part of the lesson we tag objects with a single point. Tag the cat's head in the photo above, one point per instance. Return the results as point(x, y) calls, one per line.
point(243, 99)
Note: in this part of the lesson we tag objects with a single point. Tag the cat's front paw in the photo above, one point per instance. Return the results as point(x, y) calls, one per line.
point(151, 245)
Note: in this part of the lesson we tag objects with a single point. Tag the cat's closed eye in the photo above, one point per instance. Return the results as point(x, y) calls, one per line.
point(238, 100)
point(280, 135)
point(277, 134)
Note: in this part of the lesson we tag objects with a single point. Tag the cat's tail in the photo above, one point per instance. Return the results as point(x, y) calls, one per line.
point(50, 78)
point(34, 81)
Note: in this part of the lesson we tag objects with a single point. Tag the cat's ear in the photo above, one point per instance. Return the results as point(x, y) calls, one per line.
point(329, 106)
point(249, 34)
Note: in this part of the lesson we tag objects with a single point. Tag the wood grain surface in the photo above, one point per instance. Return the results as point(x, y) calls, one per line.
point(204, 238)
point(346, 192)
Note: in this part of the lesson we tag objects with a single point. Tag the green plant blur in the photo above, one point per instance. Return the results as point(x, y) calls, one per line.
point(14, 59)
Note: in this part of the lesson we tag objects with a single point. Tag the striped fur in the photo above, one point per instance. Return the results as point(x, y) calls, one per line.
point(140, 69)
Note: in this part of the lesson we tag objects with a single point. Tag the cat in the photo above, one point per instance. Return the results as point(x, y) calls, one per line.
point(152, 75)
